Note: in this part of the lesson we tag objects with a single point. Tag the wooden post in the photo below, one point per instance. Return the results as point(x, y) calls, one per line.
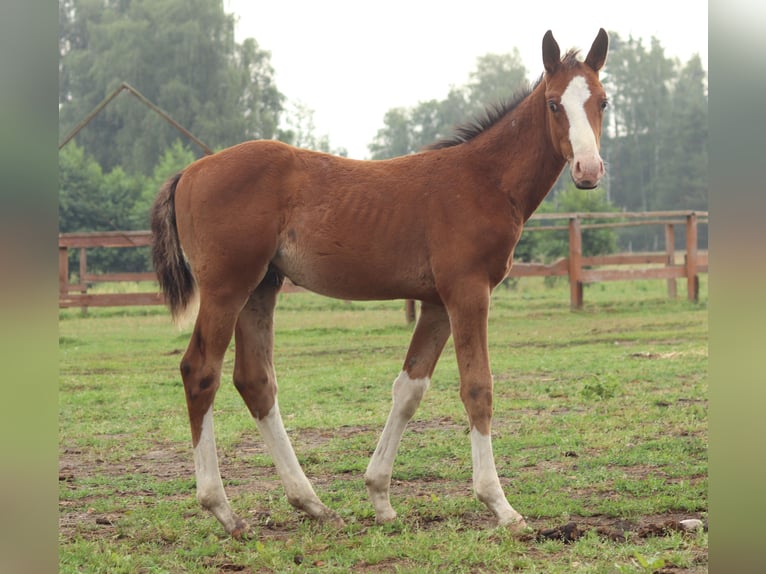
point(409, 310)
point(692, 280)
point(83, 270)
point(83, 273)
point(670, 250)
point(575, 264)
point(63, 271)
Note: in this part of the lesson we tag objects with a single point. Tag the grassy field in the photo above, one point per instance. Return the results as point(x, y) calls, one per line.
point(600, 421)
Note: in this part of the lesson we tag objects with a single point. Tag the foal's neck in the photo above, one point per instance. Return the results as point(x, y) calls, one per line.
point(519, 155)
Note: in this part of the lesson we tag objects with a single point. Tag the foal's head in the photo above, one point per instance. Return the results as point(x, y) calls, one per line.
point(576, 102)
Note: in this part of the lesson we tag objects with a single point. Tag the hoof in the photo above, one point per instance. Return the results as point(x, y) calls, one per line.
point(333, 519)
point(241, 531)
point(385, 517)
point(518, 526)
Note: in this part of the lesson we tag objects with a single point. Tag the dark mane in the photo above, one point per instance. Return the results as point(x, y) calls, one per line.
point(495, 112)
point(570, 59)
point(491, 115)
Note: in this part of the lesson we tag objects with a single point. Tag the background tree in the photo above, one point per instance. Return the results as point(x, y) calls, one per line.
point(495, 79)
point(639, 86)
point(91, 200)
point(407, 130)
point(397, 137)
point(180, 54)
point(548, 246)
point(298, 129)
point(682, 171)
point(655, 141)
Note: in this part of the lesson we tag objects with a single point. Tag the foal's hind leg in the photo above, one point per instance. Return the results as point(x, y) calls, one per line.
point(431, 333)
point(201, 373)
point(255, 380)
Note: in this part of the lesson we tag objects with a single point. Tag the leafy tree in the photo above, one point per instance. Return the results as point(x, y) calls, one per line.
point(91, 200)
point(638, 83)
point(299, 130)
point(407, 130)
point(655, 143)
point(573, 200)
point(80, 179)
point(547, 246)
point(180, 54)
point(396, 138)
point(495, 79)
point(682, 173)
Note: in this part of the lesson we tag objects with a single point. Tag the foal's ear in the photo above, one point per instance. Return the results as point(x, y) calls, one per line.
point(597, 55)
point(551, 53)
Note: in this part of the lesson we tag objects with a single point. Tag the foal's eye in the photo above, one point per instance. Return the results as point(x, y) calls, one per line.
point(553, 106)
point(604, 104)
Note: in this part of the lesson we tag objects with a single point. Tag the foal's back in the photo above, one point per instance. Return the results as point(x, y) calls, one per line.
point(345, 228)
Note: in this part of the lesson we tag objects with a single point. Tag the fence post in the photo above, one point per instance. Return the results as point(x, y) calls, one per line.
point(670, 250)
point(575, 264)
point(83, 273)
point(692, 279)
point(409, 310)
point(63, 272)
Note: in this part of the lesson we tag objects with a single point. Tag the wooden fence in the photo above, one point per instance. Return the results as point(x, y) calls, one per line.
point(580, 270)
point(654, 265)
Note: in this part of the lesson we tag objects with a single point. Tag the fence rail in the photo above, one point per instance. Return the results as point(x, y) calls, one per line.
point(580, 270)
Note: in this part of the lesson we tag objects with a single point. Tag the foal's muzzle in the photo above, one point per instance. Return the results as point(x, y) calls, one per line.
point(587, 172)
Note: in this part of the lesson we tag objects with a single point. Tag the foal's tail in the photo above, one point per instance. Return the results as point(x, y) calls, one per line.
point(173, 271)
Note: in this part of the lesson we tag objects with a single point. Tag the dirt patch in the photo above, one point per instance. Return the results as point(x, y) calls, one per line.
point(164, 461)
point(620, 530)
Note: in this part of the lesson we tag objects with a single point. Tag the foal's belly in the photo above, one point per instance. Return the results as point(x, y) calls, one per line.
point(355, 273)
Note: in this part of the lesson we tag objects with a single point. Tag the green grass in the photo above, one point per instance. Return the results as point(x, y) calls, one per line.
point(600, 416)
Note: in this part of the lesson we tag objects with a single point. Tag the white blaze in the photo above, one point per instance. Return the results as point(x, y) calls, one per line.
point(581, 135)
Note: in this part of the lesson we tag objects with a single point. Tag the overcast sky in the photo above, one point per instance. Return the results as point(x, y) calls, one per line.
point(351, 61)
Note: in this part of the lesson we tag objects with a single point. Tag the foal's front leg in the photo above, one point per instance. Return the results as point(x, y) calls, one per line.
point(255, 380)
point(468, 316)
